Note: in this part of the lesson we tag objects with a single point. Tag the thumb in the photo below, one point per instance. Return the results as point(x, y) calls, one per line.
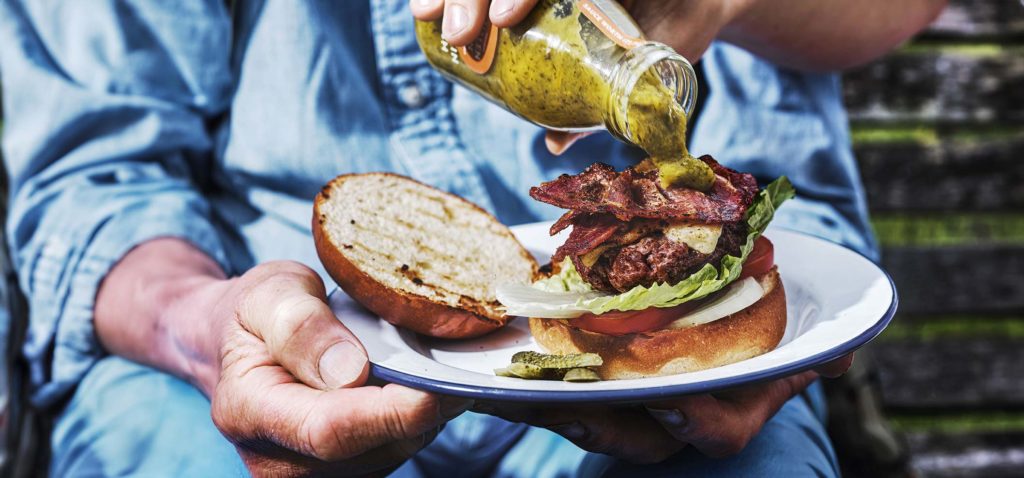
point(288, 310)
point(559, 142)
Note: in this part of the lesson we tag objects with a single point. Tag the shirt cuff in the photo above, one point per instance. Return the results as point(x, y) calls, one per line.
point(62, 345)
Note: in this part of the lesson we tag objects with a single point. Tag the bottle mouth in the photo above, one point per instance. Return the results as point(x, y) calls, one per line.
point(675, 72)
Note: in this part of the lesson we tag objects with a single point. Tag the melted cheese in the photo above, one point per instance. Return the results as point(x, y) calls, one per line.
point(591, 257)
point(702, 238)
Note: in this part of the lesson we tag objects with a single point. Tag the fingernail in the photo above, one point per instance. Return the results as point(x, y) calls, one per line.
point(669, 418)
point(456, 19)
point(342, 364)
point(501, 8)
point(572, 431)
point(424, 3)
point(452, 407)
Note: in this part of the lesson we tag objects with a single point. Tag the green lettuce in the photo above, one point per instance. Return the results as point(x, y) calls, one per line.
point(566, 294)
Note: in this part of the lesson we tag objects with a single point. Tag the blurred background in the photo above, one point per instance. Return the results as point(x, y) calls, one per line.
point(938, 127)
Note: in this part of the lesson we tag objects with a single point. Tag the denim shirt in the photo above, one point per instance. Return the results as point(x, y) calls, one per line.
point(127, 120)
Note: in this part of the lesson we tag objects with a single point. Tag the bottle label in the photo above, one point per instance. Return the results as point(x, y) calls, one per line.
point(609, 17)
point(479, 55)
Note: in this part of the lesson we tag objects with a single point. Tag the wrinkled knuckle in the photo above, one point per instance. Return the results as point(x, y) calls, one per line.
point(318, 445)
point(321, 441)
point(291, 317)
point(290, 267)
point(277, 276)
point(791, 386)
point(396, 424)
point(225, 420)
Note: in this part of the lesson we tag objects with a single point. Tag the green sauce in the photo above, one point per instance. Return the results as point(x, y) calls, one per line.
point(658, 125)
point(554, 70)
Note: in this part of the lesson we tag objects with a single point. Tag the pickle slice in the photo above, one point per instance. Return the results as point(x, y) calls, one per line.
point(522, 370)
point(538, 366)
point(558, 362)
point(581, 375)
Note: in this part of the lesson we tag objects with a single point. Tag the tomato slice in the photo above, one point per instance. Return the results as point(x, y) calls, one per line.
point(761, 259)
point(633, 321)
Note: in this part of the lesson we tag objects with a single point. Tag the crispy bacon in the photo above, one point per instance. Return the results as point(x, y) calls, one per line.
point(565, 221)
point(634, 194)
point(588, 232)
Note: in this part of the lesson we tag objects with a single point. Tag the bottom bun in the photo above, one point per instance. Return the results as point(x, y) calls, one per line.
point(745, 334)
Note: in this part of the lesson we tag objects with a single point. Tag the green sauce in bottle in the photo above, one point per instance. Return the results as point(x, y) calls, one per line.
point(581, 65)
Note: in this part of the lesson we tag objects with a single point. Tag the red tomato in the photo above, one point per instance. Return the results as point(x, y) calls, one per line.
point(761, 259)
point(633, 321)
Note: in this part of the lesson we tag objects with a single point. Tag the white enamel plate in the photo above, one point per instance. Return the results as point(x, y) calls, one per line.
point(837, 301)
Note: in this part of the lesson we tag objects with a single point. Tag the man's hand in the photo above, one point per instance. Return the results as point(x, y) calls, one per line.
point(286, 379)
point(689, 26)
point(717, 425)
point(464, 19)
point(801, 34)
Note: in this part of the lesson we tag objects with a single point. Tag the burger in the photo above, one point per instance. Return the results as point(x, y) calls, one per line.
point(651, 280)
point(657, 280)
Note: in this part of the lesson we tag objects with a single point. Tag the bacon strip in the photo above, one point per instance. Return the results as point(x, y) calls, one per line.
point(587, 233)
point(633, 194)
point(566, 220)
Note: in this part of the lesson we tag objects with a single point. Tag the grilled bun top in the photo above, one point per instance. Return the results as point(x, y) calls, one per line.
point(417, 256)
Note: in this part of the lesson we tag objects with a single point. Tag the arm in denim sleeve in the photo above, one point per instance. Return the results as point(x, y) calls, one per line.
point(107, 105)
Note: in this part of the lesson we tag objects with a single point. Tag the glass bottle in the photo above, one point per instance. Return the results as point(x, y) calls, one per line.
point(578, 65)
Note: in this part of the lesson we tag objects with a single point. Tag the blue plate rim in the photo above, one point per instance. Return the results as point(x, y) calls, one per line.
point(659, 392)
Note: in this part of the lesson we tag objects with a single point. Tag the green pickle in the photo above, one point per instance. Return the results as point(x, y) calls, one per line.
point(538, 366)
point(558, 361)
point(522, 370)
point(581, 375)
point(559, 70)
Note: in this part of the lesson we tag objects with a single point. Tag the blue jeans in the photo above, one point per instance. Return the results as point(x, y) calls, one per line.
point(129, 420)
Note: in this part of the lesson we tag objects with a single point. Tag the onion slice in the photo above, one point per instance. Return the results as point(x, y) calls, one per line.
point(533, 302)
point(738, 296)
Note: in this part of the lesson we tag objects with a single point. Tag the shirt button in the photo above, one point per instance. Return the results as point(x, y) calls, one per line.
point(411, 96)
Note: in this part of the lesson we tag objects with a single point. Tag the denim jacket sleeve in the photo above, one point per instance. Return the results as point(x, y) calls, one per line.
point(106, 107)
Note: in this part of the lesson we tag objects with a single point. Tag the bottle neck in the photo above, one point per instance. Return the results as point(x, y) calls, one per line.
point(671, 68)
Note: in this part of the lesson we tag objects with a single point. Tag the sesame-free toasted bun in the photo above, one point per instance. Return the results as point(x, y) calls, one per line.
point(418, 257)
point(745, 334)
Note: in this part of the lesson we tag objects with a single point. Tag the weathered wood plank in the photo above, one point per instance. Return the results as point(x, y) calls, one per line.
point(951, 373)
point(978, 175)
point(967, 455)
point(973, 18)
point(949, 228)
point(962, 279)
point(939, 86)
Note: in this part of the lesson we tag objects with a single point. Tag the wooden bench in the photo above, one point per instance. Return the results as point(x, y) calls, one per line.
point(938, 129)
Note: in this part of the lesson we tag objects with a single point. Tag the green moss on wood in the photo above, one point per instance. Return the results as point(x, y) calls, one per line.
point(869, 133)
point(957, 326)
point(978, 49)
point(970, 422)
point(949, 229)
point(894, 134)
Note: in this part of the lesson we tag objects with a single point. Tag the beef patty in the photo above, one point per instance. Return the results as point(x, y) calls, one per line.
point(654, 258)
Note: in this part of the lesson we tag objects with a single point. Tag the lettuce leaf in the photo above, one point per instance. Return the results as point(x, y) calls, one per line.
point(567, 295)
